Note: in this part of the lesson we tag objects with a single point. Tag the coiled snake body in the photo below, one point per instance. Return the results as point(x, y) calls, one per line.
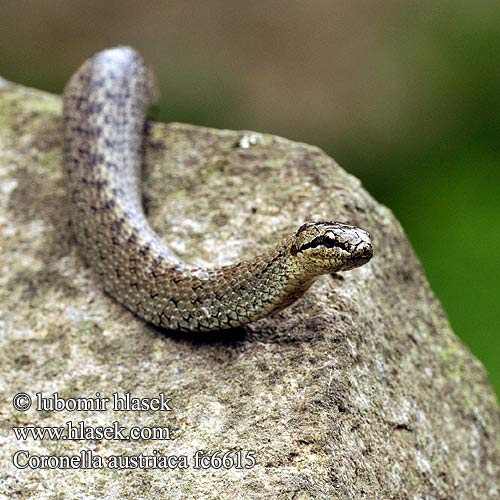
point(104, 115)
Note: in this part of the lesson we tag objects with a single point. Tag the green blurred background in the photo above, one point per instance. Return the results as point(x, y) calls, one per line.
point(405, 95)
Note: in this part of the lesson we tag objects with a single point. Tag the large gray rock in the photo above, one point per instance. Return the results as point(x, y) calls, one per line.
point(359, 390)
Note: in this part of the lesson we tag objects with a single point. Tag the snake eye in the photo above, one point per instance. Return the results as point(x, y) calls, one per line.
point(329, 235)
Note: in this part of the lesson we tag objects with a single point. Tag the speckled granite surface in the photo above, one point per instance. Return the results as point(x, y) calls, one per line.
point(359, 390)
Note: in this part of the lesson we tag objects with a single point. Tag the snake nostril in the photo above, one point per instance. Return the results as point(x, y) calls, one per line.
point(368, 250)
point(364, 250)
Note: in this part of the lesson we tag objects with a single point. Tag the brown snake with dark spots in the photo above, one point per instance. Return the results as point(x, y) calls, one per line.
point(105, 106)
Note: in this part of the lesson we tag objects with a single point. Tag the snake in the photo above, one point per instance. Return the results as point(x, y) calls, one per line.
point(105, 111)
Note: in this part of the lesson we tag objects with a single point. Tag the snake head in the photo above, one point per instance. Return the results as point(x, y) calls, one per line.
point(327, 247)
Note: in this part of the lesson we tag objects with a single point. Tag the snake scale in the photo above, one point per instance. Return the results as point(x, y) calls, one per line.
point(105, 105)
